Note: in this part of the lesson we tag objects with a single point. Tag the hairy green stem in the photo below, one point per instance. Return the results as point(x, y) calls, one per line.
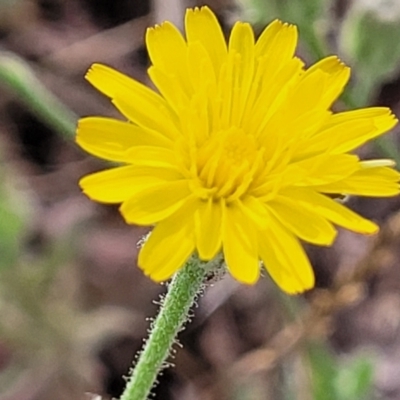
point(182, 292)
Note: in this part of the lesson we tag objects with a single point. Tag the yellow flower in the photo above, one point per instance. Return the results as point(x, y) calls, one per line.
point(237, 152)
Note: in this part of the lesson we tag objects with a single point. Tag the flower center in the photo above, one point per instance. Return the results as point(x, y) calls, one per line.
point(225, 164)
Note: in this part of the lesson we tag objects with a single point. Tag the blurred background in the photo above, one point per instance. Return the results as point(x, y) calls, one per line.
point(74, 309)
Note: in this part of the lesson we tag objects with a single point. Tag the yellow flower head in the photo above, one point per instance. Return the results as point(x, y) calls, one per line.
point(236, 152)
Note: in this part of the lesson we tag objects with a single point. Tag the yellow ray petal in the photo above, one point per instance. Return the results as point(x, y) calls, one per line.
point(202, 26)
point(239, 238)
point(372, 182)
point(266, 110)
point(155, 203)
point(305, 107)
point(275, 70)
point(168, 52)
point(113, 83)
point(321, 169)
point(349, 130)
point(241, 43)
point(380, 162)
point(285, 259)
point(355, 133)
point(195, 119)
point(118, 184)
point(277, 40)
point(337, 76)
point(152, 156)
point(208, 229)
point(332, 210)
point(110, 139)
point(377, 114)
point(254, 209)
point(169, 246)
point(169, 88)
point(143, 116)
point(307, 94)
point(136, 101)
point(201, 69)
point(302, 222)
point(225, 92)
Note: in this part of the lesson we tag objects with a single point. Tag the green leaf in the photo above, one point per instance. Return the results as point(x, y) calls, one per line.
point(324, 372)
point(354, 381)
point(18, 76)
point(13, 211)
point(366, 41)
point(11, 227)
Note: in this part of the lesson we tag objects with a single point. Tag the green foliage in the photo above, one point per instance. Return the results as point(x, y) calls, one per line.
point(11, 225)
point(366, 40)
point(18, 77)
point(324, 371)
point(334, 379)
point(354, 380)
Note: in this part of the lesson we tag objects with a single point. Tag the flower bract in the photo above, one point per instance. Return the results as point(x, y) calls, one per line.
point(237, 151)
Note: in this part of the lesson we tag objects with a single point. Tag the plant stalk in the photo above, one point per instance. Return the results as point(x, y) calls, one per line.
point(182, 293)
